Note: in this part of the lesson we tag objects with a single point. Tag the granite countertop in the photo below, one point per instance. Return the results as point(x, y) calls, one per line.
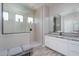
point(73, 38)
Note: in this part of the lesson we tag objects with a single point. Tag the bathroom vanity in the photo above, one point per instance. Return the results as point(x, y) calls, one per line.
point(67, 45)
point(63, 32)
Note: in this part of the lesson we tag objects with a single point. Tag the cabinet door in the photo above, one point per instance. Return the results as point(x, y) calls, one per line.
point(61, 46)
point(72, 53)
point(49, 42)
point(57, 44)
point(48, 39)
point(73, 49)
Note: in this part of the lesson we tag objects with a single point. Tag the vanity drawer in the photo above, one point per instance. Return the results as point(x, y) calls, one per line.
point(48, 44)
point(73, 48)
point(72, 53)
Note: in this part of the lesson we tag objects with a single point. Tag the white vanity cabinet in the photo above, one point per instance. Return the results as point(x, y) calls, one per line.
point(56, 44)
point(73, 48)
point(64, 46)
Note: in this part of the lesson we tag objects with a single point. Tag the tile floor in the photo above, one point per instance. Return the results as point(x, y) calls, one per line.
point(44, 51)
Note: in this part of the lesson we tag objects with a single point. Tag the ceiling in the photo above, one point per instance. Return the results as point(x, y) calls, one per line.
point(31, 5)
point(35, 5)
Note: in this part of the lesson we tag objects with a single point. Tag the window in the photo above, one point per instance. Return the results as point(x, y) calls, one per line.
point(5, 16)
point(30, 20)
point(19, 18)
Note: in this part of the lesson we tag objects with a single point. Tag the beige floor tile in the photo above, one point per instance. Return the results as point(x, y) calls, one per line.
point(44, 51)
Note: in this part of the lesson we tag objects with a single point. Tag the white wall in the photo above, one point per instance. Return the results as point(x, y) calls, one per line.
point(45, 19)
point(38, 24)
point(41, 23)
point(12, 40)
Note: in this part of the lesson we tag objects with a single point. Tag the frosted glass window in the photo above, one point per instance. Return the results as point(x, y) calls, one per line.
point(19, 18)
point(30, 20)
point(5, 16)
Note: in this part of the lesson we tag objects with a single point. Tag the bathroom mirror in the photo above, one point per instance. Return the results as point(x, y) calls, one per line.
point(67, 22)
point(71, 22)
point(16, 18)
